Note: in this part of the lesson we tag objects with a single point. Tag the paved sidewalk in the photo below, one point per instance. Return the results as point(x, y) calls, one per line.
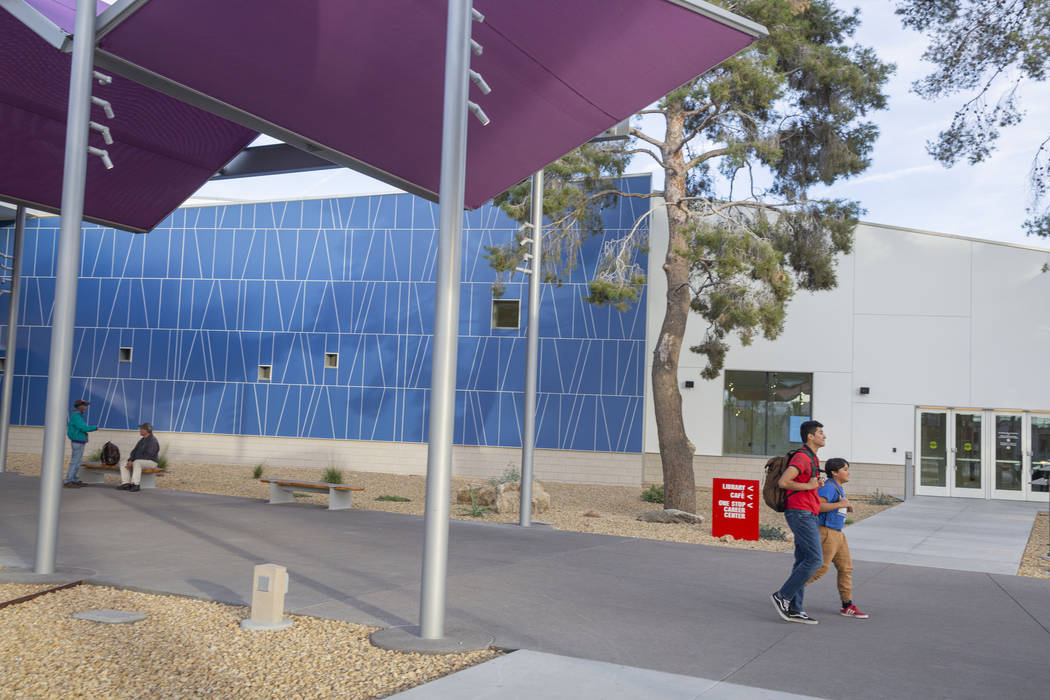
point(966, 534)
point(701, 612)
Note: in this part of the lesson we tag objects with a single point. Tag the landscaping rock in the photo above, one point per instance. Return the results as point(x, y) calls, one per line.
point(591, 514)
point(728, 539)
point(505, 498)
point(671, 515)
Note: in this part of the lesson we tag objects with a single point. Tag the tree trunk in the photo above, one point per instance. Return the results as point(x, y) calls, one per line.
point(676, 451)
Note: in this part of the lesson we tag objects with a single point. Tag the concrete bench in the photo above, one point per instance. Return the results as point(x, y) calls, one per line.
point(283, 490)
point(95, 473)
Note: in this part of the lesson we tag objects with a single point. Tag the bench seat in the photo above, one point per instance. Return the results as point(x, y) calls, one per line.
point(94, 473)
point(283, 490)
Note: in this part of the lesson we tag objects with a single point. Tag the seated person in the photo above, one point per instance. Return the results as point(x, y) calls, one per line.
point(143, 456)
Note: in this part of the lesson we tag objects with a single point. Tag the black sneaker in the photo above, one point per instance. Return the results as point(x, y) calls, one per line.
point(134, 487)
point(69, 485)
point(123, 487)
point(798, 616)
point(783, 606)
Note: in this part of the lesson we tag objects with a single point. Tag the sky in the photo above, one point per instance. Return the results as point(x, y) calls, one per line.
point(904, 186)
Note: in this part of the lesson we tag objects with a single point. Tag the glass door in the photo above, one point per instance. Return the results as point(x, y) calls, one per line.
point(1007, 475)
point(966, 455)
point(1038, 457)
point(932, 468)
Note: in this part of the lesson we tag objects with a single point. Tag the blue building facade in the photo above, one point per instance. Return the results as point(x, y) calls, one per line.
point(335, 297)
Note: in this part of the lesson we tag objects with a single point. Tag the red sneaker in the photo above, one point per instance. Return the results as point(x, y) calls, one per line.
point(852, 611)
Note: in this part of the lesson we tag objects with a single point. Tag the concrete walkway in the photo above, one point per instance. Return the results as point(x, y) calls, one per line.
point(699, 616)
point(965, 534)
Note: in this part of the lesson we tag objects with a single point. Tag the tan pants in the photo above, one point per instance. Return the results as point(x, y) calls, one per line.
point(836, 551)
point(136, 476)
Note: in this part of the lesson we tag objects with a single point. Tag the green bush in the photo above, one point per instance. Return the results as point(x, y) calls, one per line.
point(654, 494)
point(474, 511)
point(882, 499)
point(162, 460)
point(509, 474)
point(395, 499)
point(332, 476)
point(771, 532)
point(257, 472)
point(95, 456)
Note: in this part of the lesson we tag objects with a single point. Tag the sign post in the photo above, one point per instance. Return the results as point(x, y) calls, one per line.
point(735, 508)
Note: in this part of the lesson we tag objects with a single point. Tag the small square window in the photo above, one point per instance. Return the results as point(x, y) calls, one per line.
point(125, 355)
point(3, 363)
point(506, 314)
point(264, 372)
point(331, 360)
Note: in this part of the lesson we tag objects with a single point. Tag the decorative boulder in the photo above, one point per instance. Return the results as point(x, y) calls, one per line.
point(728, 539)
point(592, 514)
point(506, 497)
point(671, 515)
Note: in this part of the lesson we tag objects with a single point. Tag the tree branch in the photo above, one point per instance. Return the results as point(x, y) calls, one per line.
point(638, 133)
point(655, 157)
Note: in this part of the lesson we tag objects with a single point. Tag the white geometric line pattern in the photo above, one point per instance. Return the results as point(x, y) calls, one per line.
point(214, 292)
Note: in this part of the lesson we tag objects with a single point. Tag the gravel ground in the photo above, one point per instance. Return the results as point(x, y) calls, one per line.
point(194, 649)
point(617, 507)
point(1038, 544)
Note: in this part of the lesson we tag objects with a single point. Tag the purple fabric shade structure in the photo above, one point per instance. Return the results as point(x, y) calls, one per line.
point(360, 83)
point(163, 149)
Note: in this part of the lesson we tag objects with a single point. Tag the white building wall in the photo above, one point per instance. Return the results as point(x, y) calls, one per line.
point(920, 318)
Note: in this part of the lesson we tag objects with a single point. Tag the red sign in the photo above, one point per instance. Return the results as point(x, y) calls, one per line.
point(735, 508)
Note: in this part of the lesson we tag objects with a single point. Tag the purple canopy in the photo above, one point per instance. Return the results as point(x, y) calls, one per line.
point(359, 83)
point(163, 149)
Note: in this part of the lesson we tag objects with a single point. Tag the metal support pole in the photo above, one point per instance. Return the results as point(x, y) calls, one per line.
point(12, 335)
point(66, 274)
point(446, 320)
point(528, 429)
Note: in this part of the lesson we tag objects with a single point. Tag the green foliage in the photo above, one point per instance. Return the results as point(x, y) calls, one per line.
point(162, 461)
point(771, 532)
point(741, 149)
point(509, 474)
point(654, 494)
point(332, 476)
point(395, 499)
point(987, 51)
point(95, 456)
point(257, 472)
point(882, 499)
point(474, 511)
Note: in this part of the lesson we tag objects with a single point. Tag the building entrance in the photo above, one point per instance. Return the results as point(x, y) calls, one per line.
point(982, 453)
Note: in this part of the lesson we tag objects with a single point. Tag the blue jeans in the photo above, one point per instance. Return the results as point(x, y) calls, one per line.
point(74, 461)
point(808, 555)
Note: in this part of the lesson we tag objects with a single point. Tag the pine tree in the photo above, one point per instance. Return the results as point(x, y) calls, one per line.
point(989, 50)
point(740, 148)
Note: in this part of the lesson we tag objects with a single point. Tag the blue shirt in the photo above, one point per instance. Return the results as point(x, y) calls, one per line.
point(831, 491)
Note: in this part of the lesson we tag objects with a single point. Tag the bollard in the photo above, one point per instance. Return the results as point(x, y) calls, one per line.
point(269, 584)
point(909, 476)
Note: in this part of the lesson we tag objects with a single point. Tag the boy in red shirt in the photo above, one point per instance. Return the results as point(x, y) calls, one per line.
point(801, 480)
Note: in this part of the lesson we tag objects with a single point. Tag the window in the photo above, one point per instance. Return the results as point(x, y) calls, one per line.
point(506, 314)
point(264, 372)
point(763, 411)
point(3, 363)
point(331, 360)
point(125, 355)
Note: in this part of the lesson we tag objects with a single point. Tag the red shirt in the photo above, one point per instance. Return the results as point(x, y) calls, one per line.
point(808, 466)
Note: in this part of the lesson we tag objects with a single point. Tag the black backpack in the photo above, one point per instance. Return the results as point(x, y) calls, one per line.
point(774, 496)
point(110, 454)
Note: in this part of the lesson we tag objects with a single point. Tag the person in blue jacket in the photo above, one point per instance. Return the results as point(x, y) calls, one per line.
point(77, 430)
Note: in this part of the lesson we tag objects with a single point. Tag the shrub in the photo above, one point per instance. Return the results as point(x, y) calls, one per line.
point(395, 499)
point(332, 476)
point(257, 472)
point(509, 474)
point(162, 460)
point(95, 456)
point(654, 494)
point(882, 499)
point(771, 532)
point(474, 511)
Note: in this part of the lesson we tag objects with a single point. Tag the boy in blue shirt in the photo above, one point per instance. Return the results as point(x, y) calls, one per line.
point(833, 508)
